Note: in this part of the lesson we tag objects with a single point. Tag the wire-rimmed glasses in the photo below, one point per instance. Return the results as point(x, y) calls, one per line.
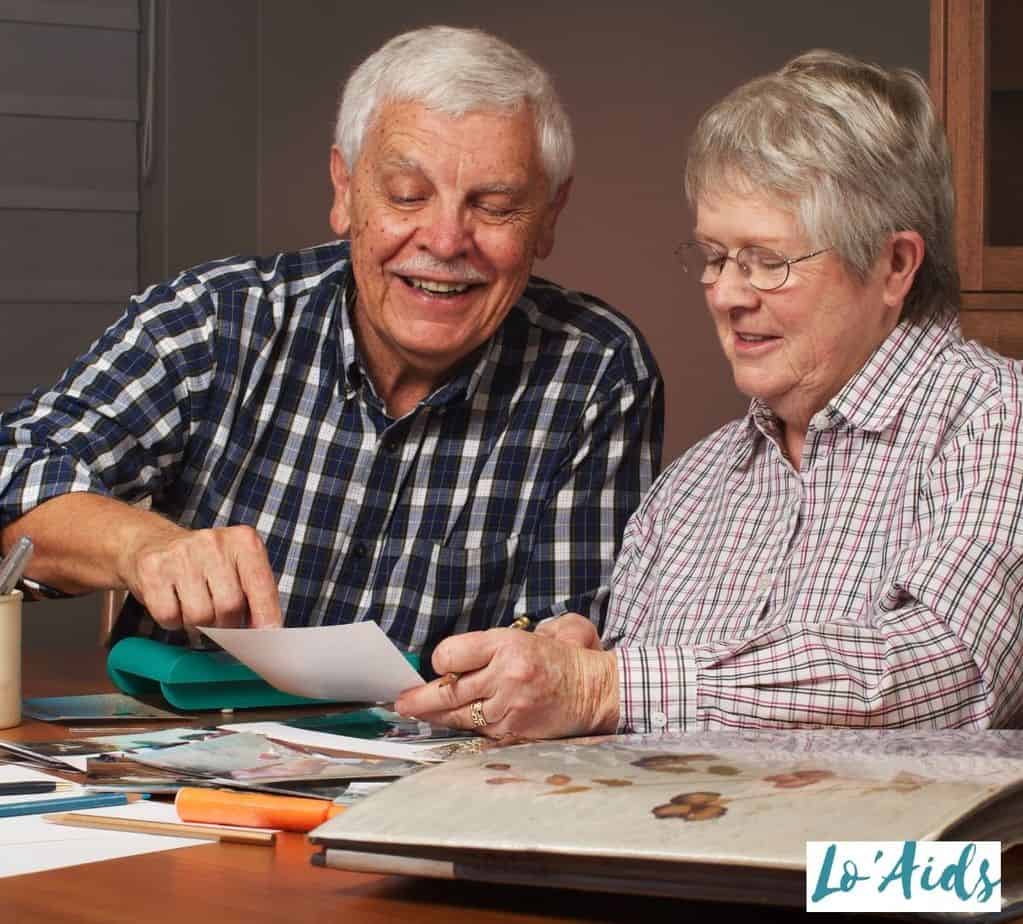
point(763, 268)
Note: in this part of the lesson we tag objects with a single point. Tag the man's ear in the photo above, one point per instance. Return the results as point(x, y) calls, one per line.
point(902, 258)
point(545, 238)
point(340, 210)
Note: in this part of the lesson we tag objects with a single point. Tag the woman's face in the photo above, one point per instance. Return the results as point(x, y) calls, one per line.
point(796, 346)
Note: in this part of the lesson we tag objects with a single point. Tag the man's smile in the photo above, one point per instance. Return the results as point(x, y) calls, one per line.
point(439, 288)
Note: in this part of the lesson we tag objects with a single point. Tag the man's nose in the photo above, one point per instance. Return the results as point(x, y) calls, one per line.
point(446, 233)
point(732, 289)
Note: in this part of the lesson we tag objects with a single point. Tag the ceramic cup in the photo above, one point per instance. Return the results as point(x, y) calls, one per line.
point(10, 659)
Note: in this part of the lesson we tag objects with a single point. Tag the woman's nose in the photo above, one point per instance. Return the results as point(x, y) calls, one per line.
point(732, 289)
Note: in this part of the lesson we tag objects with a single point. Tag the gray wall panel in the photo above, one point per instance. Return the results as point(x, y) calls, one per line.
point(67, 164)
point(68, 211)
point(47, 341)
point(110, 14)
point(55, 256)
point(68, 71)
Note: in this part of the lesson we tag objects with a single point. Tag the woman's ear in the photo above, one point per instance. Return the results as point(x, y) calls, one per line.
point(902, 258)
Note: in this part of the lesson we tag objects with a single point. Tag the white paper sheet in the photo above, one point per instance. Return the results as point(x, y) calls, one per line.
point(354, 663)
point(331, 742)
point(29, 845)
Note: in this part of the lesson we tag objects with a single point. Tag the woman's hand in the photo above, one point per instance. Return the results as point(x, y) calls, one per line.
point(572, 629)
point(531, 685)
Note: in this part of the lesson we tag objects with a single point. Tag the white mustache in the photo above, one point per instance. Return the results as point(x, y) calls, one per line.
point(451, 270)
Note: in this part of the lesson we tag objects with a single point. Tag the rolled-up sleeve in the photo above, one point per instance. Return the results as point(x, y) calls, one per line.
point(118, 421)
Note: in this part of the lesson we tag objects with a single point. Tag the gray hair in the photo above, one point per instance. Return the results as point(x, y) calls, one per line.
point(456, 71)
point(857, 149)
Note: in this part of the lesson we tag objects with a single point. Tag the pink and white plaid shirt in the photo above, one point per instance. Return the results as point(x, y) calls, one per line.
point(881, 584)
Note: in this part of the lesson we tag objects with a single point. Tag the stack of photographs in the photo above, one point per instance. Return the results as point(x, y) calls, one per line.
point(161, 761)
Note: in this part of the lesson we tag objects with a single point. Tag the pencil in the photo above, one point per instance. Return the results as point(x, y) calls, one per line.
point(519, 622)
point(29, 787)
point(166, 828)
point(87, 800)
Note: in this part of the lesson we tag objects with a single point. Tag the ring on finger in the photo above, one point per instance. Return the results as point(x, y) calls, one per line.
point(479, 720)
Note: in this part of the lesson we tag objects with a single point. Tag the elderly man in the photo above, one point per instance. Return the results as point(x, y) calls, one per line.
point(406, 428)
point(849, 553)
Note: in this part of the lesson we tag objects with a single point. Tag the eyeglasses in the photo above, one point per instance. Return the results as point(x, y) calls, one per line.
point(764, 269)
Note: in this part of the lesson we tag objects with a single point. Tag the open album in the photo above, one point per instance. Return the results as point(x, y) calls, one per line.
point(713, 816)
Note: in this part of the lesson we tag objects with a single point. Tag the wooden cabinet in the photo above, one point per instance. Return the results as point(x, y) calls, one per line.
point(977, 83)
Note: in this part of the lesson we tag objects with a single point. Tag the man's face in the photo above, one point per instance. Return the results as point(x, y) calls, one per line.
point(445, 216)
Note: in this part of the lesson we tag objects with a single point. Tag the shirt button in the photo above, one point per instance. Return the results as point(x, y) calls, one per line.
point(359, 550)
point(391, 446)
point(659, 720)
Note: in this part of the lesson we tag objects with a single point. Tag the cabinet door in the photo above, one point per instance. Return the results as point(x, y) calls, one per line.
point(977, 82)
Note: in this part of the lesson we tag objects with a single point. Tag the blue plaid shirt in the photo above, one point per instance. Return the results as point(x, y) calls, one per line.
point(235, 395)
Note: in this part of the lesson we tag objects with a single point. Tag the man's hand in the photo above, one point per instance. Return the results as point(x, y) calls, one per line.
point(208, 577)
point(185, 578)
point(529, 684)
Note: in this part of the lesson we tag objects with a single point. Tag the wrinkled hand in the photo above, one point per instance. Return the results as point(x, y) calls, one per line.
point(530, 684)
point(572, 629)
point(208, 577)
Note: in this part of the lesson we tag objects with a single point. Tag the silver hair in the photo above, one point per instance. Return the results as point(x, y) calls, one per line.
point(456, 71)
point(856, 149)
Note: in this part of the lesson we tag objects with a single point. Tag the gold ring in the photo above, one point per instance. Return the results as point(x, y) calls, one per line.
point(476, 711)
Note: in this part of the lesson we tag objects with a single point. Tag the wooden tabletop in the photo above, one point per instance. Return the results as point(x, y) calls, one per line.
point(233, 882)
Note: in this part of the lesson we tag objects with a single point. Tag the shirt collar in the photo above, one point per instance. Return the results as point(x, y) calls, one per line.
point(874, 396)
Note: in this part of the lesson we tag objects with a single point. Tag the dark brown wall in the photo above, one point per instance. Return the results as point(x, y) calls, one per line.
point(248, 167)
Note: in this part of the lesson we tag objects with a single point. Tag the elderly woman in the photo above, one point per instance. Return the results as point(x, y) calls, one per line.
point(850, 553)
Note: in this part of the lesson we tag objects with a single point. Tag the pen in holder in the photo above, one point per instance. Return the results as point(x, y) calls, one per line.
point(13, 565)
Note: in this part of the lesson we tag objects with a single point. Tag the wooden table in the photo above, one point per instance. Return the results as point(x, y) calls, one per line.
point(232, 882)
